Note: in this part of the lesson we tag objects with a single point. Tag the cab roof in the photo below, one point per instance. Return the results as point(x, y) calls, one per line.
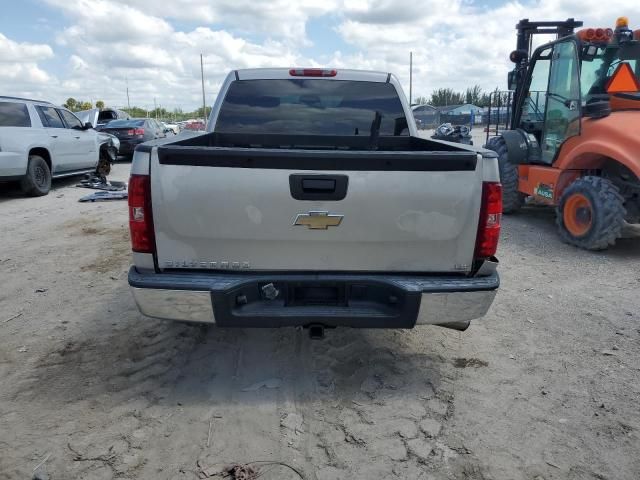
point(20, 99)
point(284, 73)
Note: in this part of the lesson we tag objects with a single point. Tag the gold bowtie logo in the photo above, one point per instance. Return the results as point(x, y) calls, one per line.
point(318, 220)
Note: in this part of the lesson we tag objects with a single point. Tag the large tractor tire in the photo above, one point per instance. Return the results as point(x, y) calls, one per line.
point(591, 213)
point(512, 199)
point(37, 181)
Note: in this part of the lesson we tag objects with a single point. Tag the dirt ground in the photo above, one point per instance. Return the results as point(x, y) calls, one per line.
point(547, 386)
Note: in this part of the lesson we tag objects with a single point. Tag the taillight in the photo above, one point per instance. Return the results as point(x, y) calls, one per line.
point(140, 216)
point(313, 72)
point(135, 131)
point(490, 216)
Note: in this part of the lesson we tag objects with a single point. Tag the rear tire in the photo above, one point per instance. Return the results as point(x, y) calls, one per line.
point(37, 181)
point(512, 199)
point(591, 213)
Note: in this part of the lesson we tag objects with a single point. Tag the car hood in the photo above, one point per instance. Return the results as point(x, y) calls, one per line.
point(89, 116)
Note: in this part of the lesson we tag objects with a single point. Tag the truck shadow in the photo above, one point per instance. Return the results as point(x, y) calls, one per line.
point(120, 375)
point(168, 362)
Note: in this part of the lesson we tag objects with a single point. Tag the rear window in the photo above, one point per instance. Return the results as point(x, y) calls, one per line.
point(125, 123)
point(107, 115)
point(311, 107)
point(14, 115)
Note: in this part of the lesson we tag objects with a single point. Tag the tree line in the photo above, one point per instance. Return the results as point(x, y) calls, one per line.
point(177, 114)
point(475, 95)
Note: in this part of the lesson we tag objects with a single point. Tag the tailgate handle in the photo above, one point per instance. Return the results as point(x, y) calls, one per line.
point(318, 187)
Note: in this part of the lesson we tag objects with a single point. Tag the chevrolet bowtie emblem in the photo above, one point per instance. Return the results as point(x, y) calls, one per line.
point(318, 220)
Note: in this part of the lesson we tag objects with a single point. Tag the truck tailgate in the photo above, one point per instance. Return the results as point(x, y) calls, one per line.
point(315, 210)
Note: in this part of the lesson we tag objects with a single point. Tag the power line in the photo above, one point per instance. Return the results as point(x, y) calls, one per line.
point(410, 77)
point(126, 79)
point(204, 103)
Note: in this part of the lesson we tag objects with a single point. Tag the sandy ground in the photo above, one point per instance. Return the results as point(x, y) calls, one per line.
point(545, 387)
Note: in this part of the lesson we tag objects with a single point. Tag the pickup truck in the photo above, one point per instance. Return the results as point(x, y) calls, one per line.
point(312, 202)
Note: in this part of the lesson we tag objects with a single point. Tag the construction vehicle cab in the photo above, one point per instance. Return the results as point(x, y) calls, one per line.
point(572, 138)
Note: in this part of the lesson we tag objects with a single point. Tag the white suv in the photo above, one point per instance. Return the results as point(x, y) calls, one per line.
point(40, 141)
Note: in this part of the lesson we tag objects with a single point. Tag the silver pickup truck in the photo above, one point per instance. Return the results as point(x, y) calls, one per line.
point(312, 202)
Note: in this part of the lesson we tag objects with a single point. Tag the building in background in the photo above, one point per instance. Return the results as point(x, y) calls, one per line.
point(426, 116)
point(465, 114)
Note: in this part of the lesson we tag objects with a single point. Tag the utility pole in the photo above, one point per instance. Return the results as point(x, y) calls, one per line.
point(410, 77)
point(128, 102)
point(204, 103)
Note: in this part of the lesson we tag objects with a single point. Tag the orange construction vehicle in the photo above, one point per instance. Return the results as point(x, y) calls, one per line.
point(572, 138)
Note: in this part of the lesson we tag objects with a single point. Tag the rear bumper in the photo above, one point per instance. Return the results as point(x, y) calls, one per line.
point(365, 301)
point(128, 146)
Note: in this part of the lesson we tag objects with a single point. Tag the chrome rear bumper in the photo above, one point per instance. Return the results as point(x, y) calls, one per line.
point(190, 297)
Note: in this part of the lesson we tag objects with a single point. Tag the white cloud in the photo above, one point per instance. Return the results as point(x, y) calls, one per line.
point(456, 43)
point(107, 21)
point(15, 52)
point(25, 74)
point(274, 18)
point(18, 63)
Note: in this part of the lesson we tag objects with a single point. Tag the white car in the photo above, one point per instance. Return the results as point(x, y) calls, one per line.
point(173, 127)
point(40, 141)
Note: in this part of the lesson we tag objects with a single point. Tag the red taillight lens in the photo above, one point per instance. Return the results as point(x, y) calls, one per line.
point(135, 131)
point(312, 72)
point(140, 216)
point(490, 217)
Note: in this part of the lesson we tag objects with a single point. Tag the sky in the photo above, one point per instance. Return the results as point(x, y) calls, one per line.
point(92, 49)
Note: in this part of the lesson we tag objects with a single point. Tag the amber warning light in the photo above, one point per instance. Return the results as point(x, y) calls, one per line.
point(622, 22)
point(595, 35)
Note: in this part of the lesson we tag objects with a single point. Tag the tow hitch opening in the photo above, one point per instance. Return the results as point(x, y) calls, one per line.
point(316, 332)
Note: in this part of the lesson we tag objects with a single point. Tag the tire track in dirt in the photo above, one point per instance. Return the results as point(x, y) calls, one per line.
point(116, 373)
point(372, 407)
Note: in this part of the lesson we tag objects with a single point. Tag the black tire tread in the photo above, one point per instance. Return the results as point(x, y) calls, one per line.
point(28, 184)
point(608, 213)
point(512, 199)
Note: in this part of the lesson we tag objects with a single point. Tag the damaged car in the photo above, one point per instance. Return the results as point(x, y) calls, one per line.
point(99, 117)
point(40, 141)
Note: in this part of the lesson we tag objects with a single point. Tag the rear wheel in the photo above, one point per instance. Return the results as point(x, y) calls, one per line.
point(591, 213)
point(512, 199)
point(37, 181)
